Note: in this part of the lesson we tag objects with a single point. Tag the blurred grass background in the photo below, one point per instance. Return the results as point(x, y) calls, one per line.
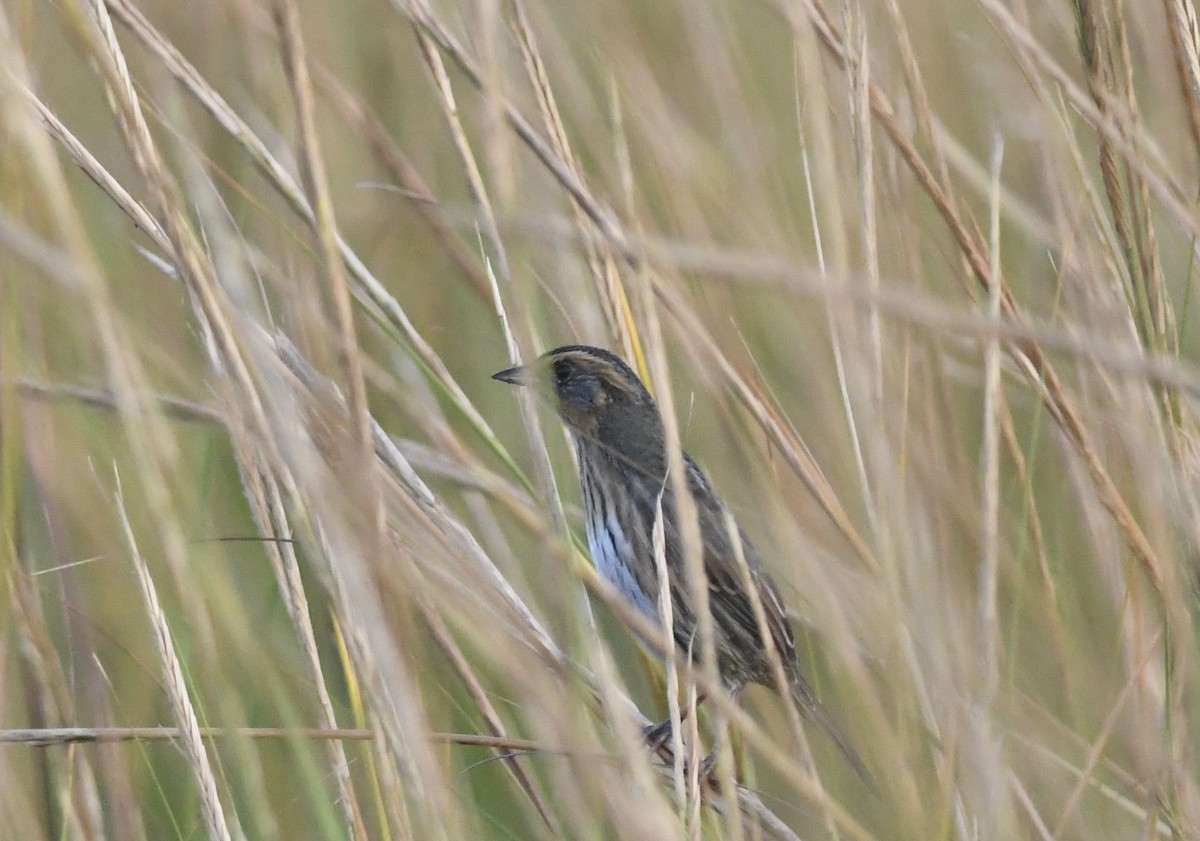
point(917, 276)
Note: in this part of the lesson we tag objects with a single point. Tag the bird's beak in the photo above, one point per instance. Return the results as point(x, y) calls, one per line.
point(515, 376)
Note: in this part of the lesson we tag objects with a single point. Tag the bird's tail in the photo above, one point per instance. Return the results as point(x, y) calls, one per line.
point(814, 711)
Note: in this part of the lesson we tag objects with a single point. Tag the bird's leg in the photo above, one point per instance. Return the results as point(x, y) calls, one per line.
point(656, 735)
point(710, 761)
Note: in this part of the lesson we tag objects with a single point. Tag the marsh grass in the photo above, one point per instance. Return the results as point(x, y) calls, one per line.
point(280, 561)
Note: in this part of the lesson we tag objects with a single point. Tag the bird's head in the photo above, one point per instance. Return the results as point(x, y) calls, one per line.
point(597, 395)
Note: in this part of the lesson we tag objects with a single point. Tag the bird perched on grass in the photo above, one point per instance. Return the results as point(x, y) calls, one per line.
point(621, 447)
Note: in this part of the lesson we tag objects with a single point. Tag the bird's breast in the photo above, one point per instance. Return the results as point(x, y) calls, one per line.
point(612, 551)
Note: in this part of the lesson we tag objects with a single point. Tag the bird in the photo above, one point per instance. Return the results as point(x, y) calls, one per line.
point(620, 443)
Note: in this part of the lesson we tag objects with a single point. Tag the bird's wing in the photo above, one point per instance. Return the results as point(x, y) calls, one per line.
point(728, 598)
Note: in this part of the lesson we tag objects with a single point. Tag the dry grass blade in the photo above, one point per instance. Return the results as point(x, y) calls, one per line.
point(263, 491)
point(185, 714)
point(599, 255)
point(92, 735)
point(1185, 42)
point(349, 363)
point(51, 683)
point(324, 224)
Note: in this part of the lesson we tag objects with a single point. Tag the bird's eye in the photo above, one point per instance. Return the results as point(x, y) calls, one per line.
point(562, 372)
